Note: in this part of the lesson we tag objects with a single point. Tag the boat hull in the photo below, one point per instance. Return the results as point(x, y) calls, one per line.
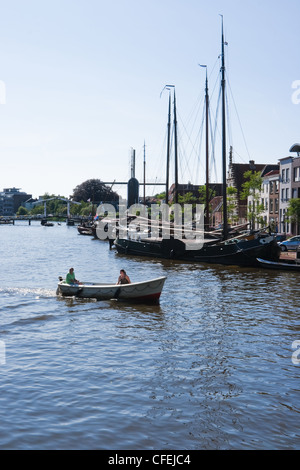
point(85, 231)
point(146, 291)
point(241, 253)
point(279, 266)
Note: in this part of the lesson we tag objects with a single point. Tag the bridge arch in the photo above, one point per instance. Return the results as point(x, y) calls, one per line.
point(44, 201)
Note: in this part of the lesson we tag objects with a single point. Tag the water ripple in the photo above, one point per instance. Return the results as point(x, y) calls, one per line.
point(209, 368)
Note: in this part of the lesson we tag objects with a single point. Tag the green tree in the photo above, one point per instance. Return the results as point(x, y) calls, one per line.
point(37, 210)
point(22, 211)
point(94, 191)
point(187, 198)
point(231, 204)
point(251, 188)
point(202, 194)
point(161, 196)
point(293, 212)
point(86, 209)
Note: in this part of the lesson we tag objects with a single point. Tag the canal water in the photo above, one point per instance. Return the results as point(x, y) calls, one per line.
point(214, 366)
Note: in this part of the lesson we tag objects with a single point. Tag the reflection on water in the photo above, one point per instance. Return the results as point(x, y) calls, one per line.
point(208, 368)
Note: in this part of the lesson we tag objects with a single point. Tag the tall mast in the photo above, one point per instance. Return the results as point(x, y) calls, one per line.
point(144, 173)
point(175, 150)
point(168, 150)
point(206, 218)
point(206, 213)
point(225, 222)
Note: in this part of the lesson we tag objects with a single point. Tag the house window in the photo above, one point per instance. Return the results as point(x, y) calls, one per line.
point(271, 187)
point(283, 176)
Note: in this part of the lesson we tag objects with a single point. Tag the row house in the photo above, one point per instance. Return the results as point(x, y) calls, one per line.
point(236, 179)
point(281, 182)
point(270, 199)
point(289, 188)
point(278, 188)
point(285, 192)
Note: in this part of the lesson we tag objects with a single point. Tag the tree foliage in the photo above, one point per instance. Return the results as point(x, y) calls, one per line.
point(252, 184)
point(251, 188)
point(95, 191)
point(188, 198)
point(293, 211)
point(22, 211)
point(202, 194)
point(232, 204)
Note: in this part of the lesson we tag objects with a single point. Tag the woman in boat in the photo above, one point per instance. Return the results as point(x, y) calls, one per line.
point(123, 278)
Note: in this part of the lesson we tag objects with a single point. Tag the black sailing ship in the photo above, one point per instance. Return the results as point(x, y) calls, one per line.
point(228, 249)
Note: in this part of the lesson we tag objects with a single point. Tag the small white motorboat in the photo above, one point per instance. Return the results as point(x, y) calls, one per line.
point(145, 291)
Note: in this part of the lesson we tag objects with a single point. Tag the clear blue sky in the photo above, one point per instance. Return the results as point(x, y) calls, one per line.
point(83, 80)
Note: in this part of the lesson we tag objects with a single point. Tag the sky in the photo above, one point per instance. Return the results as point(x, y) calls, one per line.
point(81, 84)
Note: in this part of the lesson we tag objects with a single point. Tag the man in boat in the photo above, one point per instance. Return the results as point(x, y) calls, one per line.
point(123, 278)
point(70, 278)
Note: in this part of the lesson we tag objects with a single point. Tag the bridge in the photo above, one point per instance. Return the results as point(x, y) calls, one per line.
point(44, 201)
point(29, 218)
point(70, 219)
point(11, 220)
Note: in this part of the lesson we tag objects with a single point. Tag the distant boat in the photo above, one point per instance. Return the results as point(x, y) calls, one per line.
point(144, 291)
point(85, 230)
point(48, 224)
point(70, 222)
point(279, 266)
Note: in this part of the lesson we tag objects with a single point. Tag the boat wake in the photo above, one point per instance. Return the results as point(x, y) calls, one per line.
point(27, 291)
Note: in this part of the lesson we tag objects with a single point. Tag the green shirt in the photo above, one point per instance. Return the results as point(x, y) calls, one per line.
point(70, 278)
